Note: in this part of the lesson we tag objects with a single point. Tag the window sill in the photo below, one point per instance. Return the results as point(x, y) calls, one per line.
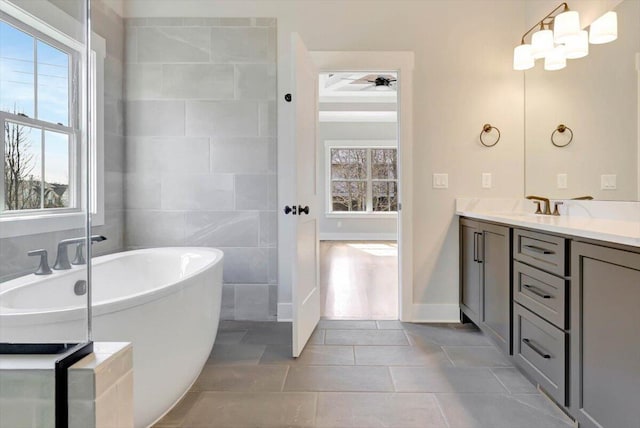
point(11, 227)
point(362, 215)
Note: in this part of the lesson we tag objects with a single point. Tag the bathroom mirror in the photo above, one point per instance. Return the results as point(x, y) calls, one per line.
point(597, 98)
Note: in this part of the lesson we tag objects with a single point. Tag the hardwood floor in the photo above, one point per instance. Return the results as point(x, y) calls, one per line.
point(359, 280)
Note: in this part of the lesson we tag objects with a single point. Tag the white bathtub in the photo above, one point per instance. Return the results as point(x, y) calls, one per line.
point(166, 301)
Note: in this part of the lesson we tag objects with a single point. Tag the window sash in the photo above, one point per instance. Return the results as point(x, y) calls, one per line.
point(369, 180)
point(72, 130)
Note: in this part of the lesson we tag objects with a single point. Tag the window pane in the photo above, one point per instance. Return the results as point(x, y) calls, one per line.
point(384, 163)
point(349, 163)
point(53, 84)
point(16, 71)
point(56, 170)
point(385, 196)
point(349, 195)
point(22, 166)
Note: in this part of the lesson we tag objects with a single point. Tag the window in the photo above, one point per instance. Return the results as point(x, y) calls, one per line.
point(39, 115)
point(362, 180)
point(42, 111)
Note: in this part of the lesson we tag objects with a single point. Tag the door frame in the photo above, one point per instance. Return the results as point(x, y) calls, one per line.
point(403, 63)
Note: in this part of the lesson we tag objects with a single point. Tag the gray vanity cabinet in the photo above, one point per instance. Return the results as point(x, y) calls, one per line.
point(605, 338)
point(485, 295)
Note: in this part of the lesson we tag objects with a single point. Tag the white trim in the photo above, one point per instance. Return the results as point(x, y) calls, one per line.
point(60, 27)
point(358, 236)
point(362, 215)
point(435, 312)
point(285, 312)
point(403, 63)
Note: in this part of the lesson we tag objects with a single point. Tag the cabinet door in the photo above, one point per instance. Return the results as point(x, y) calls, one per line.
point(605, 345)
point(470, 291)
point(496, 274)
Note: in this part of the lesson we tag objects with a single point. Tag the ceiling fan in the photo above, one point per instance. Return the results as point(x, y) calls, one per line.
point(378, 82)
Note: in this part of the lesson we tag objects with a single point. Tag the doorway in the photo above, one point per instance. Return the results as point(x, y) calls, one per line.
point(359, 182)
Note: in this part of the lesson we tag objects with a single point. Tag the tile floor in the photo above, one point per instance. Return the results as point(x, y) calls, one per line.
point(361, 374)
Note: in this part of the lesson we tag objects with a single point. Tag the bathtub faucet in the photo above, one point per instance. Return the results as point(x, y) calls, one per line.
point(62, 258)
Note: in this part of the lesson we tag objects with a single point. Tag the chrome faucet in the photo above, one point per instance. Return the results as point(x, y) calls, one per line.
point(62, 257)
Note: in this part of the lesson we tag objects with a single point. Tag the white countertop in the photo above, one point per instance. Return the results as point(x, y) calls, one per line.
point(616, 222)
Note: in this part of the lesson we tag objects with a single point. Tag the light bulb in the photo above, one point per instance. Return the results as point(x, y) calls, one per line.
point(566, 26)
point(541, 43)
point(556, 59)
point(604, 29)
point(522, 57)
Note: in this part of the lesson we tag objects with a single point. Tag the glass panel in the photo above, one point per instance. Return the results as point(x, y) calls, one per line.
point(22, 166)
point(349, 164)
point(349, 195)
point(53, 84)
point(385, 196)
point(384, 163)
point(16, 71)
point(56, 170)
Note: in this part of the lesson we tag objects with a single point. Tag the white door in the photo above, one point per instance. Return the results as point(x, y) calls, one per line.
point(305, 291)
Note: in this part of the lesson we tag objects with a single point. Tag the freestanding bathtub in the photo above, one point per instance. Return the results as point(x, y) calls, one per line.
point(166, 301)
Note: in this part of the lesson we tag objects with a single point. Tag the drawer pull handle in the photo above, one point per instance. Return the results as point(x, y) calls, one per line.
point(538, 250)
point(536, 291)
point(537, 350)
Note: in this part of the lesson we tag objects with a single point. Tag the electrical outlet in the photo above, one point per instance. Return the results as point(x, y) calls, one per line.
point(486, 180)
point(562, 181)
point(440, 181)
point(608, 182)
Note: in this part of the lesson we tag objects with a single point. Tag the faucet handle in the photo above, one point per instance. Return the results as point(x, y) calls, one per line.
point(555, 207)
point(43, 268)
point(538, 209)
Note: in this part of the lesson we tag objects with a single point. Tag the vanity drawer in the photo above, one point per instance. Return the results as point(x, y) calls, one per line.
point(544, 294)
point(540, 349)
point(547, 252)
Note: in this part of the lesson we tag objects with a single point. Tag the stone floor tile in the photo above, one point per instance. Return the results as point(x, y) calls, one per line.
point(389, 325)
point(260, 378)
point(226, 337)
point(373, 410)
point(347, 325)
point(400, 356)
point(311, 355)
point(476, 356)
point(236, 354)
point(514, 381)
point(445, 379)
point(338, 378)
point(365, 337)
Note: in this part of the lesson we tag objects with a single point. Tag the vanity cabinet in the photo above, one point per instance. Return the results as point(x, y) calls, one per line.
point(485, 296)
point(605, 339)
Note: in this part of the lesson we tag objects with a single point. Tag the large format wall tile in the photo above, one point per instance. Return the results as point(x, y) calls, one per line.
point(201, 147)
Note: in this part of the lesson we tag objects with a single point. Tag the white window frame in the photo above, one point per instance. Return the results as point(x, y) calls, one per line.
point(58, 27)
point(355, 144)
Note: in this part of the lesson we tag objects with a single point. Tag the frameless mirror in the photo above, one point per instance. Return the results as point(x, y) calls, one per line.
point(597, 99)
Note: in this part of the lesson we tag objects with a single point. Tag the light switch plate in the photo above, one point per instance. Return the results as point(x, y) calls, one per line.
point(486, 180)
point(440, 181)
point(562, 180)
point(608, 182)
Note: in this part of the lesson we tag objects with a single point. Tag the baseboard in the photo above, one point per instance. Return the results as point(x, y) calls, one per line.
point(285, 312)
point(437, 312)
point(358, 236)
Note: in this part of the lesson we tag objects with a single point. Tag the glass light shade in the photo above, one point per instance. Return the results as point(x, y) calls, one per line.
point(577, 47)
point(541, 43)
point(522, 57)
point(556, 59)
point(604, 29)
point(566, 26)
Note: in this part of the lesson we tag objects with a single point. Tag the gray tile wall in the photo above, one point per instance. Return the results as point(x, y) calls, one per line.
point(14, 261)
point(201, 147)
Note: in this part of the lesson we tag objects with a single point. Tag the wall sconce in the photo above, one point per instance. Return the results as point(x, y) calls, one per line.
point(559, 37)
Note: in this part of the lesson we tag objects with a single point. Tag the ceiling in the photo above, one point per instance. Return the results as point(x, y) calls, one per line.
point(357, 87)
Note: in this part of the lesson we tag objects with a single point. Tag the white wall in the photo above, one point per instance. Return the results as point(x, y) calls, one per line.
point(463, 78)
point(332, 228)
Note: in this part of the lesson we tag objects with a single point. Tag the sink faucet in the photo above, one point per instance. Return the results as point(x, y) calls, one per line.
point(62, 258)
point(43, 268)
point(537, 200)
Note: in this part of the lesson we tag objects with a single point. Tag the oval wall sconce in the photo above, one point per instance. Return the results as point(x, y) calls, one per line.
point(560, 130)
point(486, 129)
